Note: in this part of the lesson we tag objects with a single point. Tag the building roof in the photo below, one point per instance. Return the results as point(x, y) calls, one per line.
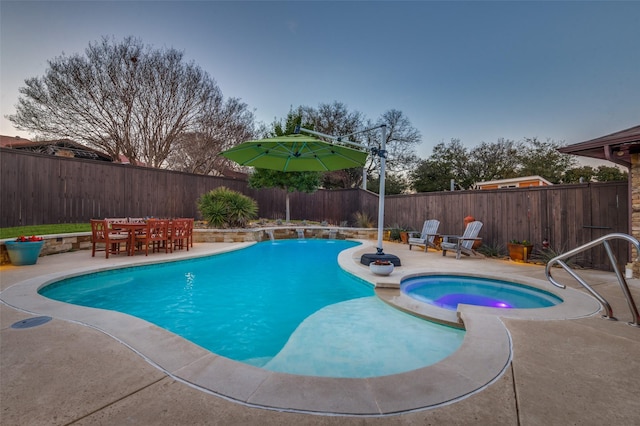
point(514, 180)
point(616, 147)
point(233, 174)
point(53, 147)
point(12, 141)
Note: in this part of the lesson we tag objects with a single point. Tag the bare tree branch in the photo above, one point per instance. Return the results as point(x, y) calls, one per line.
point(122, 98)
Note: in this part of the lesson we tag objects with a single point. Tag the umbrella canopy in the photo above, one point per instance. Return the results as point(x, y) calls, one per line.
point(295, 153)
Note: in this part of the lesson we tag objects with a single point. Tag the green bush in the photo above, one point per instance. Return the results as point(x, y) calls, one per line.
point(489, 250)
point(224, 208)
point(394, 232)
point(544, 255)
point(362, 220)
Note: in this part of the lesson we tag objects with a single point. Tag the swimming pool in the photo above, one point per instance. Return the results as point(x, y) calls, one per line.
point(283, 306)
point(447, 291)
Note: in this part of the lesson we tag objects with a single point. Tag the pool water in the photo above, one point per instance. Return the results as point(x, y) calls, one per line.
point(447, 291)
point(284, 306)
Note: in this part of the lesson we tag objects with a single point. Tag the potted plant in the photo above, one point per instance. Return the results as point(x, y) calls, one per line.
point(394, 233)
point(399, 233)
point(404, 236)
point(520, 250)
point(24, 250)
point(381, 267)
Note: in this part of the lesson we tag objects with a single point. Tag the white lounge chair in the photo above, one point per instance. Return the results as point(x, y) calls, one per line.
point(462, 244)
point(427, 236)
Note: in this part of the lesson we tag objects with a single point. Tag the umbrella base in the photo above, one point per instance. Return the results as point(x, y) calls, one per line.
point(366, 259)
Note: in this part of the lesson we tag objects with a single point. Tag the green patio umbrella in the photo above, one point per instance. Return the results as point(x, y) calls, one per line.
point(296, 153)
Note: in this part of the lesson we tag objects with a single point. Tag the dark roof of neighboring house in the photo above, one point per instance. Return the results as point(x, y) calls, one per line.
point(54, 147)
point(616, 147)
point(10, 141)
point(233, 174)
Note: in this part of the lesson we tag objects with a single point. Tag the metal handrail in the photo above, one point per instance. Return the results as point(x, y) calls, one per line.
point(612, 257)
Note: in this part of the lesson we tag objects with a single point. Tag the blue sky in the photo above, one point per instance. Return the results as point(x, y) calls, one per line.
point(477, 71)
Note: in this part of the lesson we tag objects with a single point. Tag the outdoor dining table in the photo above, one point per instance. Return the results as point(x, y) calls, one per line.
point(132, 228)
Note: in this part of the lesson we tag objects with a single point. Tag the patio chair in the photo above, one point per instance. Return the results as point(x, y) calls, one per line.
point(179, 234)
point(462, 244)
point(116, 220)
point(190, 231)
point(101, 234)
point(111, 221)
point(156, 235)
point(427, 236)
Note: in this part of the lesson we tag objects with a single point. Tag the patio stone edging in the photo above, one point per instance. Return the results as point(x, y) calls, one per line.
point(62, 243)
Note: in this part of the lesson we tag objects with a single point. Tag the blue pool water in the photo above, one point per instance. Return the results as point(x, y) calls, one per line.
point(447, 291)
point(284, 306)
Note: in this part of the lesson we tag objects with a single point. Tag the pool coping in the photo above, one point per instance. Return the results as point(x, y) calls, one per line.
point(487, 343)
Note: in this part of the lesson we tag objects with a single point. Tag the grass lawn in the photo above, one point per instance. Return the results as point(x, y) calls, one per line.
point(40, 230)
point(66, 228)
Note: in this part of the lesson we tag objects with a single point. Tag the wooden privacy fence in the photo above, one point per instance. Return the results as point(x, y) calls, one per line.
point(566, 215)
point(42, 189)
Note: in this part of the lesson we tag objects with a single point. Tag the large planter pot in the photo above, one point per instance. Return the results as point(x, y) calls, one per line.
point(519, 252)
point(24, 252)
point(381, 269)
point(404, 237)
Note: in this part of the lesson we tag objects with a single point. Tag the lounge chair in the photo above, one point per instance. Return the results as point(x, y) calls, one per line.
point(462, 244)
point(427, 236)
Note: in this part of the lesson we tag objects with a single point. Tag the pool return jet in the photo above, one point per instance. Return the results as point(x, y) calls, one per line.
point(298, 153)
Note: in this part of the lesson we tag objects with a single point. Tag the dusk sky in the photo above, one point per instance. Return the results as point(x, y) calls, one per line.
point(477, 71)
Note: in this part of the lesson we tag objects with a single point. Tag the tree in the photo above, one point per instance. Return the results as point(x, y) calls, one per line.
point(608, 174)
point(120, 97)
point(335, 119)
point(289, 181)
point(502, 160)
point(227, 125)
point(543, 159)
point(447, 162)
point(492, 161)
point(489, 161)
point(402, 138)
point(346, 178)
point(430, 176)
point(575, 174)
point(393, 184)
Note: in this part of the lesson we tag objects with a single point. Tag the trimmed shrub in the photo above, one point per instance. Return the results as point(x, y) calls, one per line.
point(224, 208)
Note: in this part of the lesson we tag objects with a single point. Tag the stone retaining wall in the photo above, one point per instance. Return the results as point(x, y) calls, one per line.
point(62, 243)
point(54, 244)
point(280, 233)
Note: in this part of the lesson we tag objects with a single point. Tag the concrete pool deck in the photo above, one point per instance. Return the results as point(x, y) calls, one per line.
point(560, 371)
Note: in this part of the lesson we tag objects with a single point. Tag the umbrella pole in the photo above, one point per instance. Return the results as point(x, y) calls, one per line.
point(366, 259)
point(383, 155)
